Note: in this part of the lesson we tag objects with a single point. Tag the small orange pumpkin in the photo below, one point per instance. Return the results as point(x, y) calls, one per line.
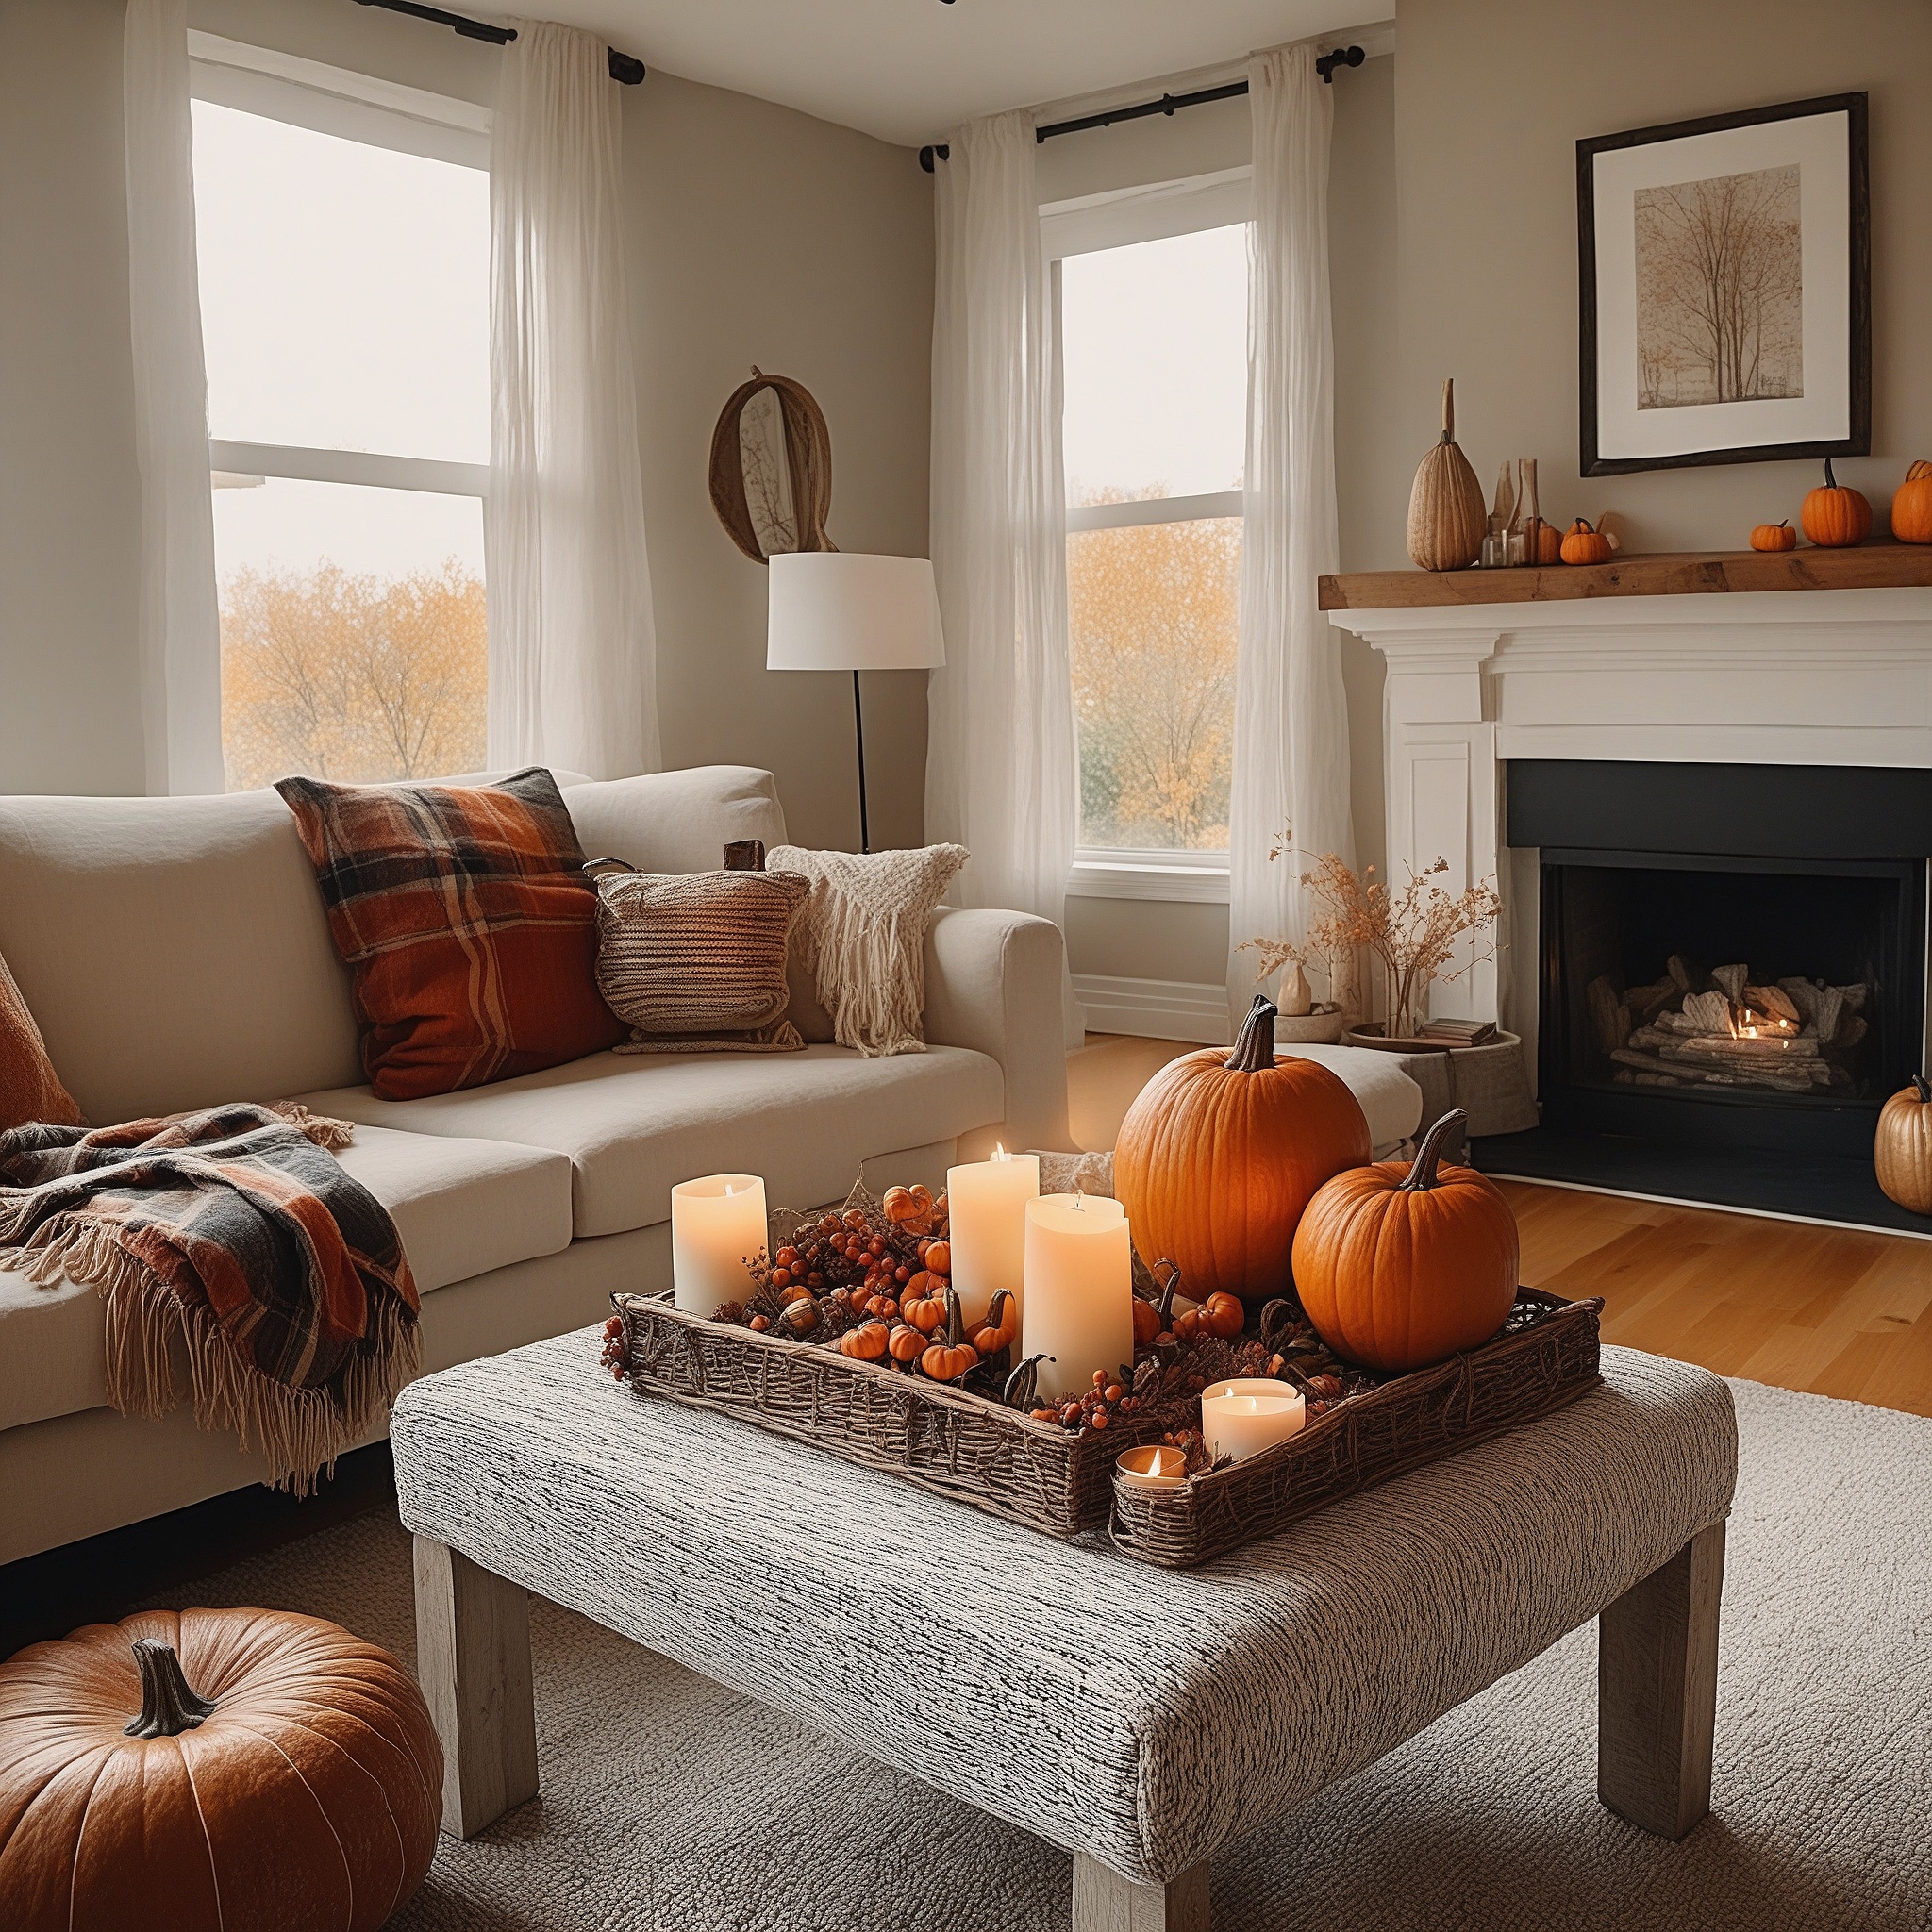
point(1222, 1315)
point(1582, 544)
point(1549, 543)
point(951, 1357)
point(1399, 1271)
point(1911, 509)
point(923, 1304)
point(1903, 1151)
point(1773, 537)
point(866, 1342)
point(1001, 1325)
point(1221, 1152)
point(1833, 516)
point(907, 1343)
point(938, 1258)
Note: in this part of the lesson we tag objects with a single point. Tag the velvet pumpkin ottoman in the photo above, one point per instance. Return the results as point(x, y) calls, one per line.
point(1139, 1718)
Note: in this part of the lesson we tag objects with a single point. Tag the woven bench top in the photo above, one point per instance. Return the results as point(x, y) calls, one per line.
point(1142, 1715)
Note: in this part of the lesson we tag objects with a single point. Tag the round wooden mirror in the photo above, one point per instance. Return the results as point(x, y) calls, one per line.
point(772, 468)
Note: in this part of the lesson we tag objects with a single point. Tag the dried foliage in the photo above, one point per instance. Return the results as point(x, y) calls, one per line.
point(1415, 935)
point(353, 678)
point(1153, 622)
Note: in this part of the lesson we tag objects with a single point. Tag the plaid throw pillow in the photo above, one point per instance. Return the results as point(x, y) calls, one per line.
point(469, 926)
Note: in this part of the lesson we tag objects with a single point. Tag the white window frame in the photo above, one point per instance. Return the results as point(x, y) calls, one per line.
point(379, 113)
point(1118, 220)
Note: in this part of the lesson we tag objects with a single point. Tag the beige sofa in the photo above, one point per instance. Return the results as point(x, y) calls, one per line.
point(176, 955)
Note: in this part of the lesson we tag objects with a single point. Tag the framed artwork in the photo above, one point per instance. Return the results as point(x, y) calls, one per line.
point(1725, 271)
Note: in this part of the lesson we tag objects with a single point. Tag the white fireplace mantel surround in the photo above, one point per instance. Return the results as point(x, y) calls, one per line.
point(1786, 677)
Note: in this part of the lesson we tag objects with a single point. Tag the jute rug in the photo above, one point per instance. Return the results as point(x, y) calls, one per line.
point(670, 1803)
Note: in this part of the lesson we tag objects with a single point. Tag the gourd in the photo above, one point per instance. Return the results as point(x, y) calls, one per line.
point(252, 1770)
point(949, 1359)
point(1447, 517)
point(799, 1318)
point(1220, 1154)
point(1155, 1318)
point(865, 1344)
point(1549, 543)
point(1397, 1271)
point(1582, 544)
point(924, 1303)
point(1911, 509)
point(1022, 1388)
point(1903, 1151)
point(1773, 537)
point(1833, 516)
point(1223, 1315)
point(1001, 1325)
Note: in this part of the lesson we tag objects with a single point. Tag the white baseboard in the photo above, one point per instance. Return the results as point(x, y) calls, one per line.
point(1155, 1008)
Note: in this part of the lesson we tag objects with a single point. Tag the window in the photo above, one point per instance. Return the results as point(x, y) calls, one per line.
point(1154, 372)
point(343, 227)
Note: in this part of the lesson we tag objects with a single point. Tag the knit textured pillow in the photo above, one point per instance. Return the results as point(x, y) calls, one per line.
point(31, 1090)
point(467, 921)
point(862, 938)
point(695, 962)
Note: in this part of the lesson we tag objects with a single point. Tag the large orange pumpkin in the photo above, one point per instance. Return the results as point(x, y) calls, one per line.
point(1902, 1153)
point(1396, 1270)
point(1835, 517)
point(1221, 1152)
point(277, 1776)
point(1911, 507)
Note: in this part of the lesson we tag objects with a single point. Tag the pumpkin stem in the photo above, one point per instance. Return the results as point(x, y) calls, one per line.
point(1830, 481)
point(168, 1707)
point(1023, 1385)
point(1170, 1285)
point(1925, 1088)
point(1449, 410)
point(955, 1332)
point(1421, 1175)
point(1254, 1047)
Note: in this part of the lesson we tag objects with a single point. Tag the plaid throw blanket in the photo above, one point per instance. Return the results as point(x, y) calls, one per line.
point(235, 1230)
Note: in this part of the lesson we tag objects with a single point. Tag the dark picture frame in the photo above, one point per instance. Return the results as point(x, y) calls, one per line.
point(1856, 376)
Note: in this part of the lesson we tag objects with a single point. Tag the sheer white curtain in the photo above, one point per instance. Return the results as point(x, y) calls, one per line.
point(1290, 732)
point(178, 627)
point(572, 647)
point(1000, 768)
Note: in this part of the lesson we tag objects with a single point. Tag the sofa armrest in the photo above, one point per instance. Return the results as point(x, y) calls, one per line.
point(992, 983)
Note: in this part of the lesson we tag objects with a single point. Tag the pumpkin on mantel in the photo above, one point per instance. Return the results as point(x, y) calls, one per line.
point(237, 1770)
point(1447, 517)
point(1833, 516)
point(1584, 544)
point(1903, 1151)
point(1221, 1152)
point(1400, 1270)
point(1779, 536)
point(1911, 509)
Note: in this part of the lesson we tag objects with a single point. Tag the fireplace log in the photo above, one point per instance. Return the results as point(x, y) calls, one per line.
point(1731, 981)
point(1608, 1013)
point(1647, 1002)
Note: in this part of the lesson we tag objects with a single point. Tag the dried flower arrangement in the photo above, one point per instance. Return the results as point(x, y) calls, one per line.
point(1413, 934)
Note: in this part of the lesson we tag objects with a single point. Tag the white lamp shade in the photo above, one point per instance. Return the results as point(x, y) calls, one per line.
point(834, 612)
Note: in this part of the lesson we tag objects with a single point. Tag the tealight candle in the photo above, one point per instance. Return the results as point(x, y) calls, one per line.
point(717, 1239)
point(1242, 1417)
point(986, 1225)
point(1152, 1466)
point(1079, 1307)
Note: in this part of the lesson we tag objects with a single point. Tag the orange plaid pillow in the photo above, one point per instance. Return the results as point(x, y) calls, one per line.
point(31, 1090)
point(470, 928)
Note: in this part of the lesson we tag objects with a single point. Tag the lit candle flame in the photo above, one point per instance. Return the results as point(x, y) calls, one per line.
point(999, 1153)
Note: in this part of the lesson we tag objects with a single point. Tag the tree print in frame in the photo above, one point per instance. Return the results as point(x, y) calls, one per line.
point(1724, 279)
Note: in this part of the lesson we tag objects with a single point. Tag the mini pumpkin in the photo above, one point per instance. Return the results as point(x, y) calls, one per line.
point(799, 1318)
point(1549, 543)
point(1397, 1271)
point(952, 1356)
point(938, 1258)
point(1833, 516)
point(865, 1344)
point(1911, 509)
point(907, 1343)
point(1773, 537)
point(1584, 544)
point(1903, 1150)
point(1222, 1315)
point(1001, 1325)
point(923, 1304)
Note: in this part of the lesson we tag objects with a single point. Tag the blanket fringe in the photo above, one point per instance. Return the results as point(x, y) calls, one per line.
point(324, 1132)
point(298, 1432)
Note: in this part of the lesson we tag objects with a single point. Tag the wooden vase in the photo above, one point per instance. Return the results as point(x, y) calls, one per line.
point(1447, 520)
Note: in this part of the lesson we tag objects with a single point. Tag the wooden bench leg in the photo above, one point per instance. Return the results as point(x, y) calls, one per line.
point(1105, 1902)
point(473, 1651)
point(1656, 1691)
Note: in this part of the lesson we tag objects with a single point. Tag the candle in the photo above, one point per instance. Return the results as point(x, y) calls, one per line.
point(1152, 1467)
point(1079, 1302)
point(985, 1224)
point(1249, 1414)
point(717, 1239)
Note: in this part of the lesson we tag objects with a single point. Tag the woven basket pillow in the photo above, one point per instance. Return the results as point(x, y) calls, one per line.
point(695, 963)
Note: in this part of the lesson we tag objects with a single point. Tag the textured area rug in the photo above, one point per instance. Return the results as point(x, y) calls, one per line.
point(671, 1804)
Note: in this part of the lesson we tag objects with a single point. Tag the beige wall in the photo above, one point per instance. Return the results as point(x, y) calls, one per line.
point(756, 235)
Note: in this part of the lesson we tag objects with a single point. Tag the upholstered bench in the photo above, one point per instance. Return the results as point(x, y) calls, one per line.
point(1139, 1718)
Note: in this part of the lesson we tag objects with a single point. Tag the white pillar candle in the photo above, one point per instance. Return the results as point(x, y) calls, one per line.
point(1079, 1302)
point(717, 1241)
point(1249, 1414)
point(986, 1225)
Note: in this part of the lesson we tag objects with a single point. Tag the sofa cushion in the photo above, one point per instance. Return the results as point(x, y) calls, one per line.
point(462, 1208)
point(635, 1126)
point(676, 821)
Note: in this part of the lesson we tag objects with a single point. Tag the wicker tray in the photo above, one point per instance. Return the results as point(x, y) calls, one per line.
point(1546, 1355)
point(957, 1445)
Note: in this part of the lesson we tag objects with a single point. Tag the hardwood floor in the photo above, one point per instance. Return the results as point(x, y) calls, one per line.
point(1832, 1311)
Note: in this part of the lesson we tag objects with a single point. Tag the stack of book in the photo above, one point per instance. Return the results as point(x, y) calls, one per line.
point(1459, 1032)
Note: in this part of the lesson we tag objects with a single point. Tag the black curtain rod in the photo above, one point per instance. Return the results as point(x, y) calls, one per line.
point(626, 68)
point(1325, 65)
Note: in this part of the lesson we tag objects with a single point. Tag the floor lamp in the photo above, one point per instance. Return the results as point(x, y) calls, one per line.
point(831, 610)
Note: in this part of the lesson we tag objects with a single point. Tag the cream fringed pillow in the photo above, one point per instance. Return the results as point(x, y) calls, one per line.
point(31, 1090)
point(695, 962)
point(862, 938)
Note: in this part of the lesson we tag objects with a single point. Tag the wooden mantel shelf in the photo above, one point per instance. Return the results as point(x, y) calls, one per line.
point(1664, 573)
